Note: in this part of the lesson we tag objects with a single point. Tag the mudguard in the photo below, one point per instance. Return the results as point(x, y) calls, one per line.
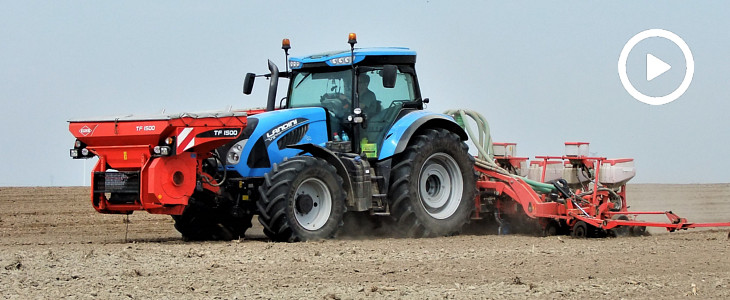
point(398, 136)
point(332, 159)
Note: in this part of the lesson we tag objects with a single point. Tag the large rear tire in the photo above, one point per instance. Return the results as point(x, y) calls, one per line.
point(302, 199)
point(204, 220)
point(432, 185)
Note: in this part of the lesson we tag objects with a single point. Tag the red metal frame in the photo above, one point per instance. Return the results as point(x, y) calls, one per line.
point(594, 209)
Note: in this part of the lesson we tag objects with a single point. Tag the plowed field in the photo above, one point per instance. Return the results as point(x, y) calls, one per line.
point(53, 245)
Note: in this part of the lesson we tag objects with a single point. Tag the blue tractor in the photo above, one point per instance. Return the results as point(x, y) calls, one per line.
point(349, 137)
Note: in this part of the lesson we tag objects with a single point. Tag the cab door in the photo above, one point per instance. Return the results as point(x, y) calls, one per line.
point(390, 102)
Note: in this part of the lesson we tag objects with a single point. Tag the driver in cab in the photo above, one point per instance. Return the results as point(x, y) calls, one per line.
point(368, 103)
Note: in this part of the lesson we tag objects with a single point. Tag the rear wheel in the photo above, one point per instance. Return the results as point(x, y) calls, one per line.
point(433, 185)
point(302, 199)
point(204, 219)
point(581, 230)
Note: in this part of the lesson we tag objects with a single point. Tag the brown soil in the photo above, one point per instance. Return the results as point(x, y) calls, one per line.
point(53, 244)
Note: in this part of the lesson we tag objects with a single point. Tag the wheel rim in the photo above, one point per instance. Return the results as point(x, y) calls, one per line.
point(440, 186)
point(312, 204)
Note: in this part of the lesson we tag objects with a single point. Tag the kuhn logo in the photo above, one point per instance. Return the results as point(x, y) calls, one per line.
point(274, 133)
point(85, 130)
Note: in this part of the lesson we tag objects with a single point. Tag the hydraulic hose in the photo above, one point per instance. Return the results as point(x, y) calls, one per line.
point(482, 140)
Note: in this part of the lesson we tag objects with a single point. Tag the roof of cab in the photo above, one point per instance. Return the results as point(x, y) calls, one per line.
point(359, 53)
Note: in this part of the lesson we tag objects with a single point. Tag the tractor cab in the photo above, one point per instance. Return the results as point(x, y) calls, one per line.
point(363, 90)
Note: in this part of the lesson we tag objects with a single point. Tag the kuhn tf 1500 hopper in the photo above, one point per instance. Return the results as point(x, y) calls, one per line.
point(152, 163)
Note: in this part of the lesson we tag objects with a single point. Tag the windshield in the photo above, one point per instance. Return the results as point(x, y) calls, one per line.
point(307, 89)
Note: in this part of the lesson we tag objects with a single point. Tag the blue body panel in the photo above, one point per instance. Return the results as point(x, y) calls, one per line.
point(314, 117)
point(396, 132)
point(360, 54)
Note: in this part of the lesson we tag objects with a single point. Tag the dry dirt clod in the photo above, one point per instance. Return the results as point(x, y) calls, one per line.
point(50, 255)
point(88, 254)
point(135, 273)
point(16, 265)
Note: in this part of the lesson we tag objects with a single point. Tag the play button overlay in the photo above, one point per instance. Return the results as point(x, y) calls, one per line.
point(655, 67)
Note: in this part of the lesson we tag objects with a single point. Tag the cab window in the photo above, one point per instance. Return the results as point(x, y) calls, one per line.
point(307, 88)
point(403, 90)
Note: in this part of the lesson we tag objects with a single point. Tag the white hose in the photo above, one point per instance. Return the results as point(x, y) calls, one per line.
point(482, 140)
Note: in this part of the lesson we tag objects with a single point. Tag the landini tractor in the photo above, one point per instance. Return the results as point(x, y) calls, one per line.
point(350, 135)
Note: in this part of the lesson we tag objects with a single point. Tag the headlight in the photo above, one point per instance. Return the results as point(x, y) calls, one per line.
point(162, 150)
point(234, 154)
point(341, 60)
point(80, 151)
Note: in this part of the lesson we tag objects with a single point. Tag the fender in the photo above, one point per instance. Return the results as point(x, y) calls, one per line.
point(397, 138)
point(330, 157)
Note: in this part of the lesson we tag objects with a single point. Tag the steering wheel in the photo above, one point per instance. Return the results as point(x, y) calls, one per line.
point(393, 104)
point(334, 103)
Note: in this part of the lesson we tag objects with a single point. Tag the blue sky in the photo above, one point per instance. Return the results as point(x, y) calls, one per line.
point(542, 73)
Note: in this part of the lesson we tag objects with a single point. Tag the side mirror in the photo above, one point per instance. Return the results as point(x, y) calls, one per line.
point(389, 73)
point(248, 83)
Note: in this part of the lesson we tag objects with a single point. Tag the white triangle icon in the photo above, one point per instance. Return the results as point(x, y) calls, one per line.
point(655, 67)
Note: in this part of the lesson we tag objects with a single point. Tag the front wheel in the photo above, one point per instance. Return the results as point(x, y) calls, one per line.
point(302, 199)
point(433, 185)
